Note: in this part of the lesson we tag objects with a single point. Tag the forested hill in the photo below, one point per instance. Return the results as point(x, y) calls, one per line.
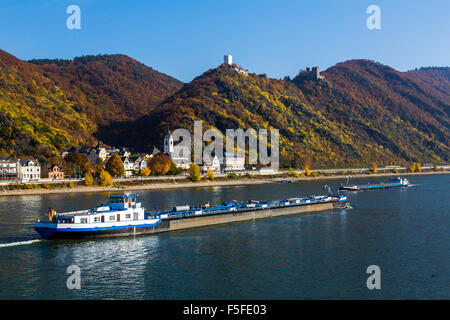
point(37, 118)
point(110, 87)
point(47, 106)
point(362, 112)
point(386, 108)
point(435, 79)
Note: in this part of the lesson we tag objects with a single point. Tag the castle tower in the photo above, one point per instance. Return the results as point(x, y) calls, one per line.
point(228, 59)
point(316, 74)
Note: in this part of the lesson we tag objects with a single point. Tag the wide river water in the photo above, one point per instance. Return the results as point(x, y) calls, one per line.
point(405, 231)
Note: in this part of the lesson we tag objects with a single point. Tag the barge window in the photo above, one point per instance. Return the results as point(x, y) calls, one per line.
point(83, 220)
point(128, 216)
point(111, 217)
point(116, 200)
point(97, 219)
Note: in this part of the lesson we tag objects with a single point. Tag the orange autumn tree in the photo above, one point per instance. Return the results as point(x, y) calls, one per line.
point(374, 167)
point(115, 166)
point(160, 164)
point(145, 172)
point(307, 171)
point(77, 162)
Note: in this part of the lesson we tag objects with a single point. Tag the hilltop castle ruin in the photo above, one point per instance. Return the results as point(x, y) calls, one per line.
point(311, 74)
point(228, 61)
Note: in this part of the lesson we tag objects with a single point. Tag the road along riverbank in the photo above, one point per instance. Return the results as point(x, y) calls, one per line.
point(137, 185)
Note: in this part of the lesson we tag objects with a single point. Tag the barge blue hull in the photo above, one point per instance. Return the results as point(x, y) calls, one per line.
point(90, 233)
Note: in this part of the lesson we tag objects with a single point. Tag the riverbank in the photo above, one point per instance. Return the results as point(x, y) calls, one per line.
point(184, 183)
point(150, 186)
point(401, 174)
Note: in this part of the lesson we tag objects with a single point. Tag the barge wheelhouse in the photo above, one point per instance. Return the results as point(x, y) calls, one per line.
point(123, 215)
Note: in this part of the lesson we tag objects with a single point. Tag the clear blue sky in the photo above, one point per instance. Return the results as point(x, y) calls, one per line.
point(185, 38)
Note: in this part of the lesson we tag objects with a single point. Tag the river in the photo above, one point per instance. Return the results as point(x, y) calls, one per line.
point(322, 255)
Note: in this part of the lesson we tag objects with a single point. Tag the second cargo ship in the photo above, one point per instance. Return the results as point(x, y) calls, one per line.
point(393, 183)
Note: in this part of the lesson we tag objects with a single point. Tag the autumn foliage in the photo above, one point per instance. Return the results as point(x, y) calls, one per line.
point(362, 112)
point(115, 166)
point(145, 172)
point(160, 164)
point(105, 179)
point(194, 172)
point(77, 163)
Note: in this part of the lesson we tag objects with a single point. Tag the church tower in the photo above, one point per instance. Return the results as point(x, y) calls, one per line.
point(168, 144)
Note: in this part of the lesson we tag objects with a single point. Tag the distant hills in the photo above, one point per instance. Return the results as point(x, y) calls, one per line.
point(37, 118)
point(109, 87)
point(387, 110)
point(361, 112)
point(435, 79)
point(47, 106)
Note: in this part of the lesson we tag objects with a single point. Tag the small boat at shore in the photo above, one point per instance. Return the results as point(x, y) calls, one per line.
point(393, 183)
point(124, 216)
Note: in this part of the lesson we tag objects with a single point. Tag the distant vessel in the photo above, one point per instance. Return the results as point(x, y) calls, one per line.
point(393, 183)
point(124, 216)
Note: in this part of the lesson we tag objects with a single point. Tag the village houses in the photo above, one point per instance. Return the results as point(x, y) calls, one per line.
point(28, 170)
point(8, 169)
point(55, 172)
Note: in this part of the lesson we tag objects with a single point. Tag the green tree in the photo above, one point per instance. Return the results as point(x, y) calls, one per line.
point(115, 166)
point(174, 170)
point(233, 175)
point(194, 172)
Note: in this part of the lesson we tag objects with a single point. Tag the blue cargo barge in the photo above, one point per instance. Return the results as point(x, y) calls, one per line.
point(124, 216)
